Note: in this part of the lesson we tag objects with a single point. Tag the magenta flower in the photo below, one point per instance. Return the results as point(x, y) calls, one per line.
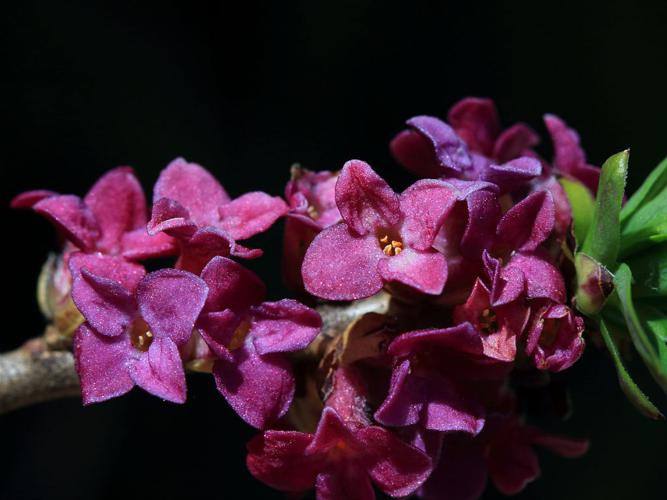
point(503, 452)
point(250, 338)
point(132, 332)
point(312, 201)
point(111, 218)
point(383, 238)
point(339, 460)
point(431, 381)
point(191, 205)
point(554, 340)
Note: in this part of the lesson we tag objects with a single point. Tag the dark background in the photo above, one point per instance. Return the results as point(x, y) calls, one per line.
point(246, 91)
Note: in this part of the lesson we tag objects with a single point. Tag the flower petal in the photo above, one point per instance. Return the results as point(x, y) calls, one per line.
point(108, 307)
point(341, 266)
point(404, 400)
point(194, 188)
point(529, 222)
point(462, 337)
point(171, 217)
point(484, 212)
point(101, 365)
point(423, 271)
point(259, 388)
point(283, 326)
point(217, 329)
point(170, 301)
point(396, 467)
point(424, 206)
point(139, 245)
point(450, 150)
point(30, 198)
point(128, 274)
point(415, 152)
point(118, 203)
point(251, 214)
point(160, 371)
point(71, 216)
point(543, 279)
point(278, 458)
point(365, 200)
point(476, 121)
point(568, 154)
point(448, 407)
point(515, 142)
point(231, 285)
point(350, 483)
point(511, 175)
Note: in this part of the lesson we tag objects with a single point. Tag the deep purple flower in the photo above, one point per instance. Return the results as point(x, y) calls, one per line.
point(250, 337)
point(432, 379)
point(312, 200)
point(111, 218)
point(191, 205)
point(383, 238)
point(503, 452)
point(339, 460)
point(133, 330)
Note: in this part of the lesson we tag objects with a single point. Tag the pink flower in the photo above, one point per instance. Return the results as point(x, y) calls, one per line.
point(339, 460)
point(132, 332)
point(191, 205)
point(383, 238)
point(250, 337)
point(431, 380)
point(312, 201)
point(503, 452)
point(111, 218)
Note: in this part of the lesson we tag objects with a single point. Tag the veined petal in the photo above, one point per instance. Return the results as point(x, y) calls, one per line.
point(71, 216)
point(341, 266)
point(231, 285)
point(108, 307)
point(259, 388)
point(194, 188)
point(170, 301)
point(529, 222)
point(424, 206)
point(251, 214)
point(118, 203)
point(365, 200)
point(160, 371)
point(101, 365)
point(424, 271)
point(283, 326)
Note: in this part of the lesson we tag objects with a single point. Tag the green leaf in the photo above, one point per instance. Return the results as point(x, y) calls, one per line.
point(582, 204)
point(654, 184)
point(628, 386)
point(649, 269)
point(648, 343)
point(602, 240)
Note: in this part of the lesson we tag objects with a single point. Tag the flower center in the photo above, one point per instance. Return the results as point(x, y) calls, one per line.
point(488, 321)
point(239, 336)
point(389, 246)
point(313, 212)
point(141, 336)
point(549, 332)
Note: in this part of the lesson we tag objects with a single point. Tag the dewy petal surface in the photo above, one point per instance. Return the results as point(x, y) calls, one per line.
point(160, 371)
point(107, 306)
point(365, 200)
point(194, 188)
point(259, 388)
point(341, 266)
point(529, 222)
point(424, 271)
point(251, 214)
point(101, 365)
point(119, 205)
point(283, 326)
point(450, 150)
point(170, 301)
point(71, 216)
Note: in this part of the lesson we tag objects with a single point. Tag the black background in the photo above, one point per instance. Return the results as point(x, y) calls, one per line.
point(247, 89)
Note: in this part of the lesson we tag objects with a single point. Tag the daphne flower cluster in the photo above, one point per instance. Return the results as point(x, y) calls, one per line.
point(456, 285)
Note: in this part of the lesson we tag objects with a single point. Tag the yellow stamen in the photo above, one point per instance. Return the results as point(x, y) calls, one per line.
point(390, 248)
point(239, 336)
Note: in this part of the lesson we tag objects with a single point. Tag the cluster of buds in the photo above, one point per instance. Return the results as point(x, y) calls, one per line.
point(421, 314)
